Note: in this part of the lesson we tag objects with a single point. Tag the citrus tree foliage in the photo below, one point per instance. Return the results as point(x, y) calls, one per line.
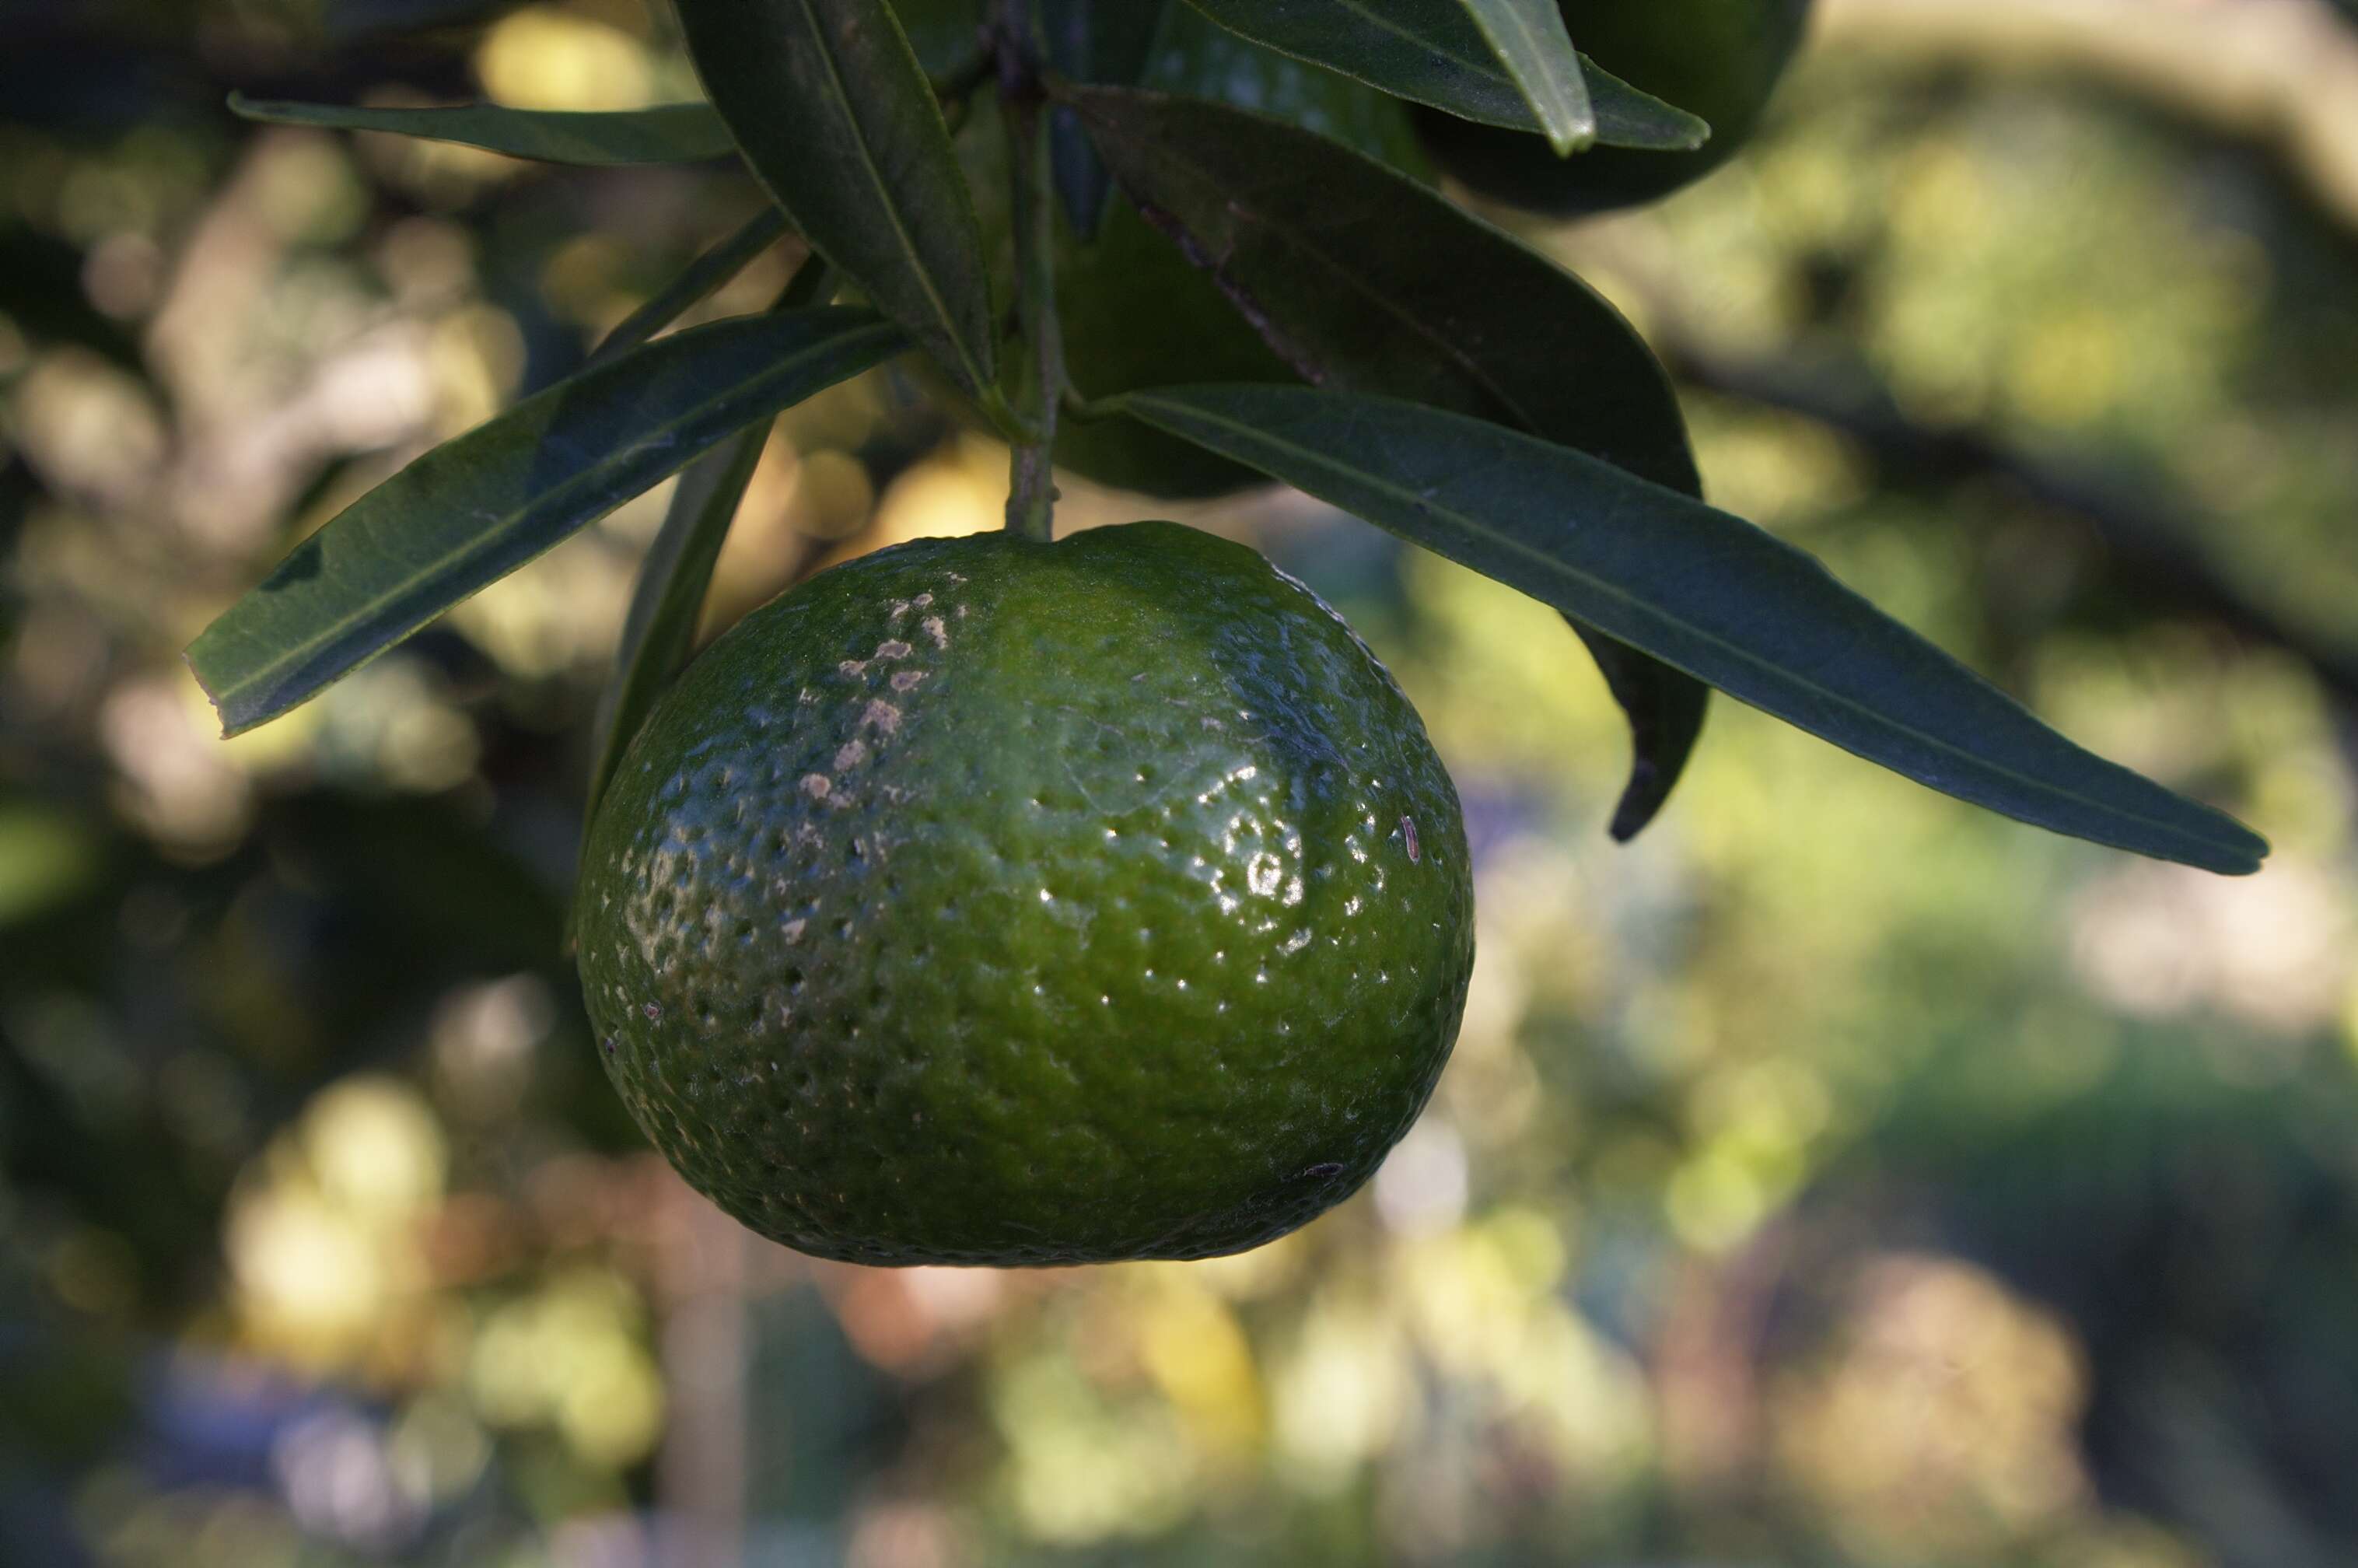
point(1429, 374)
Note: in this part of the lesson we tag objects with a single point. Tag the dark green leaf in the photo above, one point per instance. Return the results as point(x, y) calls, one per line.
point(475, 509)
point(1711, 594)
point(1106, 41)
point(1362, 279)
point(1666, 709)
point(831, 109)
point(1528, 37)
point(1366, 281)
point(1431, 51)
point(660, 631)
point(1630, 117)
point(702, 279)
point(674, 133)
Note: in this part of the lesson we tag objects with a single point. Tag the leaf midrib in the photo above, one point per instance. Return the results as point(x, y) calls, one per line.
point(1397, 310)
point(919, 266)
point(1426, 503)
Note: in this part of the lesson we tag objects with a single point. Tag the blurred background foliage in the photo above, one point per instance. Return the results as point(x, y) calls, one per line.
point(1835, 1176)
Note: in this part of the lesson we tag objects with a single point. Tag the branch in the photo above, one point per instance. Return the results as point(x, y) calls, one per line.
point(1032, 490)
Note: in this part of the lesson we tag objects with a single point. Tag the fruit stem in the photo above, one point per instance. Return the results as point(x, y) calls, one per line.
point(1032, 485)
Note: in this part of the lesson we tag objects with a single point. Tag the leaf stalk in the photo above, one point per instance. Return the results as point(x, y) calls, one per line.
point(1040, 383)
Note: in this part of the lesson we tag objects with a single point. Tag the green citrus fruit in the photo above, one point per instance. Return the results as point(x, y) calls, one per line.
point(989, 902)
point(1718, 58)
point(1135, 313)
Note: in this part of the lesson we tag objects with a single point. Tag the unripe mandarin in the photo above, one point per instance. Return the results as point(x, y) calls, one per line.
point(991, 902)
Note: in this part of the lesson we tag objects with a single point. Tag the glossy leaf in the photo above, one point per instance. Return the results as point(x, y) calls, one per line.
point(673, 133)
point(1361, 277)
point(1108, 42)
point(1529, 39)
point(1708, 594)
point(1366, 281)
point(1434, 52)
point(475, 509)
point(832, 110)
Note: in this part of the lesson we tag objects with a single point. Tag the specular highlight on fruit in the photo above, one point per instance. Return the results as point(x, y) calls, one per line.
point(992, 902)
